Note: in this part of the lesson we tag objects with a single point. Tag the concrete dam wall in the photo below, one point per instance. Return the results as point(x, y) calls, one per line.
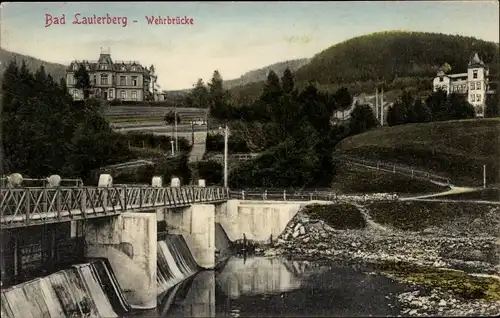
point(142, 268)
point(257, 220)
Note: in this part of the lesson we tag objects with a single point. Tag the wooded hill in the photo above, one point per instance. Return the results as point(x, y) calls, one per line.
point(260, 74)
point(399, 59)
point(57, 71)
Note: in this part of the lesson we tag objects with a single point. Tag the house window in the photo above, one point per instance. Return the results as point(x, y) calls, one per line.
point(471, 98)
point(440, 79)
point(478, 86)
point(134, 81)
point(471, 86)
point(75, 93)
point(123, 94)
point(478, 97)
point(104, 79)
point(474, 74)
point(110, 94)
point(123, 81)
point(123, 68)
point(133, 68)
point(104, 67)
point(134, 95)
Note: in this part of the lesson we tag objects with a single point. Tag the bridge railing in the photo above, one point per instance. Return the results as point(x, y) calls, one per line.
point(41, 204)
point(284, 195)
point(397, 169)
point(307, 195)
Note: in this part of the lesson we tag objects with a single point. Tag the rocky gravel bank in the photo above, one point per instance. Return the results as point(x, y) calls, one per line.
point(309, 237)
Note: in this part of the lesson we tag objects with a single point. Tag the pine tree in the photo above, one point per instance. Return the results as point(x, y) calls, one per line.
point(287, 81)
point(199, 95)
point(343, 98)
point(362, 119)
point(272, 90)
point(422, 112)
point(83, 81)
point(492, 105)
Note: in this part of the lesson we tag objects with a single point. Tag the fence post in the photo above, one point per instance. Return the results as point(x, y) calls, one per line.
point(58, 203)
point(284, 195)
point(310, 196)
point(394, 169)
point(265, 195)
point(243, 194)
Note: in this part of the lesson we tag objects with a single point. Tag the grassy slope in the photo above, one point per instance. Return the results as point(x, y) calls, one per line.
point(454, 148)
point(463, 217)
point(355, 179)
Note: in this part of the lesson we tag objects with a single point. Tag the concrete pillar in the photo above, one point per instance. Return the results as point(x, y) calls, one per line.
point(128, 241)
point(256, 221)
point(197, 225)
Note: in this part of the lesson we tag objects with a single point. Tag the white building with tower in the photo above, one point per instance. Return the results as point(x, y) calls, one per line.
point(474, 83)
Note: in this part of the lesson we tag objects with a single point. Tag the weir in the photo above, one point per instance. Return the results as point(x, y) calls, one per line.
point(118, 263)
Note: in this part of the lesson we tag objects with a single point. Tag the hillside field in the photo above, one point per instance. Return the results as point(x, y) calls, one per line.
point(457, 149)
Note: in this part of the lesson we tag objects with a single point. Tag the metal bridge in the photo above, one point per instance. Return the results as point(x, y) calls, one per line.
point(25, 206)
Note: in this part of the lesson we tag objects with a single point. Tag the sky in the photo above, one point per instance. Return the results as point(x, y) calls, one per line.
point(232, 37)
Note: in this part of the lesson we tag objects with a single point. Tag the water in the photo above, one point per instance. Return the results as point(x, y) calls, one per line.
point(88, 289)
point(265, 287)
point(254, 286)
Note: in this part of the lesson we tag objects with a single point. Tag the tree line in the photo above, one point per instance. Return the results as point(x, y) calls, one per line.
point(46, 132)
point(291, 127)
point(438, 106)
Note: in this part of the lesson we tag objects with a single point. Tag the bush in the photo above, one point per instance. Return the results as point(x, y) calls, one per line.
point(236, 144)
point(138, 139)
point(164, 103)
point(339, 216)
point(166, 168)
point(211, 171)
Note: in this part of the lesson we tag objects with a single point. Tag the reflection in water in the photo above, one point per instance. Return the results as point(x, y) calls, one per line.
point(199, 300)
point(266, 287)
point(259, 275)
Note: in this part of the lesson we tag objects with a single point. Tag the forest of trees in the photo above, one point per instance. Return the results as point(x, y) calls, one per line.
point(292, 127)
point(438, 106)
point(45, 132)
point(396, 60)
point(386, 56)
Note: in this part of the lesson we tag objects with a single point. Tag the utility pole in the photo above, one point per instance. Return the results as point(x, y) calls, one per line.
point(175, 120)
point(382, 107)
point(376, 103)
point(484, 176)
point(226, 137)
point(192, 132)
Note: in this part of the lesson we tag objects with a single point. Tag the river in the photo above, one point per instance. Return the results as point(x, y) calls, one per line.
point(265, 287)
